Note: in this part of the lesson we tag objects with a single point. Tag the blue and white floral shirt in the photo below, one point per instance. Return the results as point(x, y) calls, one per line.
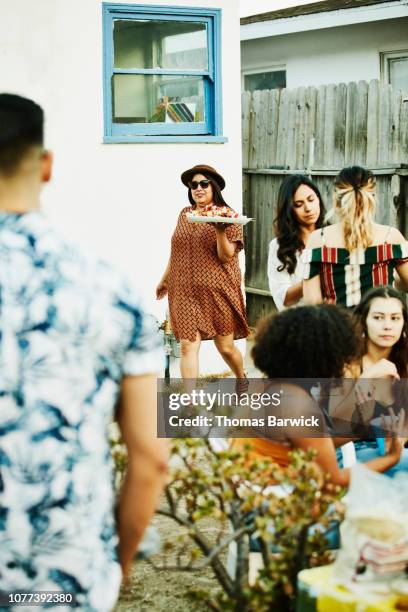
point(70, 329)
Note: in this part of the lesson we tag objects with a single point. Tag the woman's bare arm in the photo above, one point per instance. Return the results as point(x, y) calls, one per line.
point(225, 248)
point(161, 289)
point(401, 283)
point(326, 458)
point(312, 291)
point(147, 463)
point(294, 294)
point(298, 403)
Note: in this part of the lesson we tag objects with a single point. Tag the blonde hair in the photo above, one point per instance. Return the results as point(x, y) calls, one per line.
point(354, 200)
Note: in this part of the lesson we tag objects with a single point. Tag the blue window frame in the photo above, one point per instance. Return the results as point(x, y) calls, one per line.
point(162, 73)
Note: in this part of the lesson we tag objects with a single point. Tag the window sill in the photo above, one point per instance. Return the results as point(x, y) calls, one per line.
point(160, 139)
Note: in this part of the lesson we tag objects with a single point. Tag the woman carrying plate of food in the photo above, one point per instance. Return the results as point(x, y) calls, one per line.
point(203, 277)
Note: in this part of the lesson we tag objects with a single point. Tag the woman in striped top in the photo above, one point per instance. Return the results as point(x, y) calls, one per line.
point(346, 259)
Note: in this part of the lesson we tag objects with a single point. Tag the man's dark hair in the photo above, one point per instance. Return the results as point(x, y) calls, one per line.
point(21, 127)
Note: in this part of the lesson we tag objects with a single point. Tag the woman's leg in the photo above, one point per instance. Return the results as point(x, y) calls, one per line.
point(189, 365)
point(231, 355)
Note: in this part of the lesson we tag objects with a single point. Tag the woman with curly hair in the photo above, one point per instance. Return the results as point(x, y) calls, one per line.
point(382, 320)
point(300, 211)
point(311, 342)
point(346, 259)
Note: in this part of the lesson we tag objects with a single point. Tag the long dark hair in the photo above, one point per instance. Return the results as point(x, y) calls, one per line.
point(218, 198)
point(399, 352)
point(286, 226)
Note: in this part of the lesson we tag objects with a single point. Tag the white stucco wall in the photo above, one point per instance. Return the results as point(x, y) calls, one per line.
point(120, 200)
point(333, 55)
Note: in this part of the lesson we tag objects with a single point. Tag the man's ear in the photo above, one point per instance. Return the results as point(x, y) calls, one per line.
point(46, 166)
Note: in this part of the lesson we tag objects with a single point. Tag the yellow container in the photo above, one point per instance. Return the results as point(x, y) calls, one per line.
point(315, 588)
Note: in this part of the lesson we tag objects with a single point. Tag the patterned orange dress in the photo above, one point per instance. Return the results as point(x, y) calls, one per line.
point(204, 294)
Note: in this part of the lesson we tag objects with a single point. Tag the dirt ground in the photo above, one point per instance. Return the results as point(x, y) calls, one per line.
point(165, 591)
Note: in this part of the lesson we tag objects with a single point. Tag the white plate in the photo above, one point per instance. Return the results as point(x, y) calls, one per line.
point(241, 220)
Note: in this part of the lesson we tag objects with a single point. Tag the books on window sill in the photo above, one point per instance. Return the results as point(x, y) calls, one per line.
point(174, 112)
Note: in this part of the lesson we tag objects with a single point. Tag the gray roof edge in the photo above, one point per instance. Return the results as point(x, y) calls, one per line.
point(310, 9)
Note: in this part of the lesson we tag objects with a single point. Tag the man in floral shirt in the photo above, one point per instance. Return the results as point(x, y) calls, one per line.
point(74, 344)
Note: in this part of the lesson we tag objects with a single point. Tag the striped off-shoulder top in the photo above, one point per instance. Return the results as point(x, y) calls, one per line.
point(346, 275)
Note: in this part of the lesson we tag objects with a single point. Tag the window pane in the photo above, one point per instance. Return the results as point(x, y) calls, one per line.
point(398, 69)
point(157, 99)
point(147, 44)
point(265, 80)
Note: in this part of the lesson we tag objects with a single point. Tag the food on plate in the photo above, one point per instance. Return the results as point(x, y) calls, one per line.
point(215, 211)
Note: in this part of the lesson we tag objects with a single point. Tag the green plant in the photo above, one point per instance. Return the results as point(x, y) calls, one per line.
point(224, 497)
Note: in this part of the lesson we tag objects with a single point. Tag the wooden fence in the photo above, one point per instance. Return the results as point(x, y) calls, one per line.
point(318, 131)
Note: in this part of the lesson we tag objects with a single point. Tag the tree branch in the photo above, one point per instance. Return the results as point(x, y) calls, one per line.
point(205, 547)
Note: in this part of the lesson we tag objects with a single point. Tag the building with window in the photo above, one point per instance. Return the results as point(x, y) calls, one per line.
point(162, 73)
point(332, 41)
point(134, 93)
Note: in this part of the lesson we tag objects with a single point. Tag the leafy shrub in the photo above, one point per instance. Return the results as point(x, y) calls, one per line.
point(231, 492)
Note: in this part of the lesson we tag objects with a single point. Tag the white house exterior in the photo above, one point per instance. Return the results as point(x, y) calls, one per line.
point(120, 199)
point(328, 42)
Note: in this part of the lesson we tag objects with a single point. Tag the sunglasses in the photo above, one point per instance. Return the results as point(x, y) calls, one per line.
point(204, 184)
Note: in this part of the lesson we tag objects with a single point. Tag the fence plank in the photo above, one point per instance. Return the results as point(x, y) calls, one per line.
point(246, 109)
point(384, 113)
point(320, 126)
point(372, 123)
point(310, 125)
point(386, 212)
point(300, 125)
point(291, 130)
point(403, 138)
point(250, 229)
point(266, 230)
point(394, 152)
point(254, 152)
point(340, 111)
point(360, 146)
point(350, 123)
point(258, 271)
point(282, 128)
point(263, 126)
point(329, 118)
point(272, 126)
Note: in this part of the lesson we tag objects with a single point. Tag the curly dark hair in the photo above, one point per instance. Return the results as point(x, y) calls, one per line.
point(306, 342)
point(399, 352)
point(286, 226)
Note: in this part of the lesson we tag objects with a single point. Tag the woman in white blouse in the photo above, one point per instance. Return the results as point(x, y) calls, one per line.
point(300, 212)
